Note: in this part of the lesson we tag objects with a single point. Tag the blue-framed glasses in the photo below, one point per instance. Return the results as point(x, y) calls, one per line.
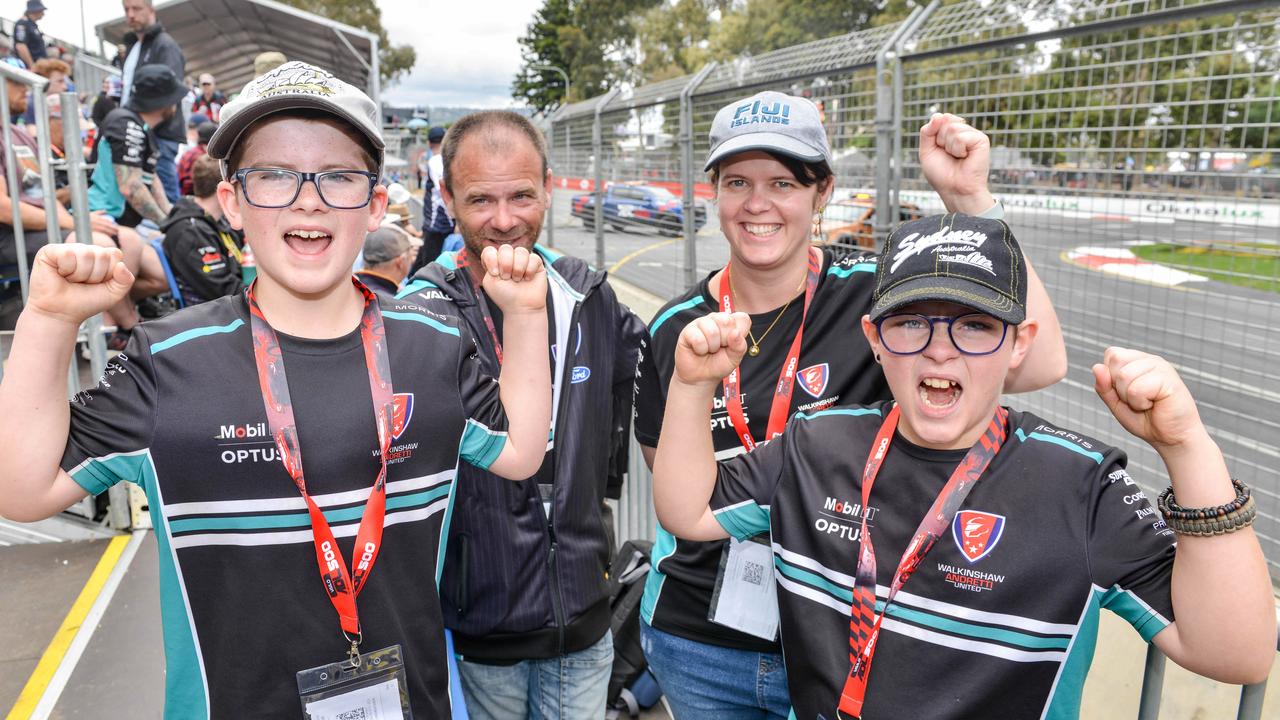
point(278, 188)
point(971, 334)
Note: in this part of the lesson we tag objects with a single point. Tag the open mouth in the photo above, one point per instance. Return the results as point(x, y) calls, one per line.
point(762, 230)
point(308, 242)
point(939, 393)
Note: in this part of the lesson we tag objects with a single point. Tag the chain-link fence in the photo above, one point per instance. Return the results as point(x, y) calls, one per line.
point(1133, 146)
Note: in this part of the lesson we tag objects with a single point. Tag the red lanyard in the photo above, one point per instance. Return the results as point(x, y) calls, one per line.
point(463, 259)
point(342, 587)
point(781, 407)
point(864, 622)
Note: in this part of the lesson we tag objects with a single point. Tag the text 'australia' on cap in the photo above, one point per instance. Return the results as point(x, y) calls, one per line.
point(971, 261)
point(769, 121)
point(296, 86)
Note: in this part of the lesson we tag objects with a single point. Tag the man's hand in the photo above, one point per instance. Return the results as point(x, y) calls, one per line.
point(956, 159)
point(514, 279)
point(1146, 395)
point(72, 281)
point(710, 348)
point(100, 222)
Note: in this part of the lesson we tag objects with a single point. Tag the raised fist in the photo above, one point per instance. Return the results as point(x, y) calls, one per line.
point(73, 281)
point(710, 347)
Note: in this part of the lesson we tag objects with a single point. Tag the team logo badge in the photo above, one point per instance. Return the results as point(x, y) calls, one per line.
point(401, 414)
point(976, 533)
point(814, 379)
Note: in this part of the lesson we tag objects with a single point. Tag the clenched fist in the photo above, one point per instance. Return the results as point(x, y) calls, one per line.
point(1148, 397)
point(710, 347)
point(514, 279)
point(72, 281)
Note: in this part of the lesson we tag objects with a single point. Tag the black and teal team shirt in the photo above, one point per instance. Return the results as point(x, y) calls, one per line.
point(1001, 618)
point(128, 142)
point(180, 413)
point(836, 365)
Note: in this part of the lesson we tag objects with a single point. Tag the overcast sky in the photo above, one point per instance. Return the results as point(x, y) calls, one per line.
point(467, 50)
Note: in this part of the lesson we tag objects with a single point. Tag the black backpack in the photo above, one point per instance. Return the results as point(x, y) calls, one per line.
point(626, 587)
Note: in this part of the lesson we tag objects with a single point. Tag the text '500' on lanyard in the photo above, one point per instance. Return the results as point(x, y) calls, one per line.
point(864, 621)
point(786, 385)
point(463, 261)
point(342, 586)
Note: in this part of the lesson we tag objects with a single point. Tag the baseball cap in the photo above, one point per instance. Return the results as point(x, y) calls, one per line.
point(205, 132)
point(155, 86)
point(197, 119)
point(268, 61)
point(296, 86)
point(398, 194)
point(35, 6)
point(769, 121)
point(435, 135)
point(971, 261)
point(384, 245)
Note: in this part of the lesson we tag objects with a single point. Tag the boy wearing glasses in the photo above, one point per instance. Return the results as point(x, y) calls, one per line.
point(1012, 532)
point(302, 427)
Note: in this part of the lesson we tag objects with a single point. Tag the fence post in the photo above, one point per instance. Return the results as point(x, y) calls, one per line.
point(80, 213)
point(889, 121)
point(44, 146)
point(597, 162)
point(37, 85)
point(1152, 684)
point(688, 173)
point(551, 196)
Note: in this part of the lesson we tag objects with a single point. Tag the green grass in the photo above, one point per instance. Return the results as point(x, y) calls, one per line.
point(1249, 265)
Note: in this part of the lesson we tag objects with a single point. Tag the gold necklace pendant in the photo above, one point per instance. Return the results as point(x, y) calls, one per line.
point(754, 350)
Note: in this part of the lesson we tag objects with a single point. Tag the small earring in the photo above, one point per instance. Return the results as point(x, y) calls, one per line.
point(877, 357)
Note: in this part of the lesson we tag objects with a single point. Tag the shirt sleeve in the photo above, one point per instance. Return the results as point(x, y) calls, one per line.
point(128, 142)
point(20, 32)
point(112, 425)
point(486, 432)
point(630, 333)
point(650, 395)
point(745, 486)
point(1130, 550)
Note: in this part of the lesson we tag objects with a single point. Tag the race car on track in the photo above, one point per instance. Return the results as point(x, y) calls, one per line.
point(631, 205)
point(850, 223)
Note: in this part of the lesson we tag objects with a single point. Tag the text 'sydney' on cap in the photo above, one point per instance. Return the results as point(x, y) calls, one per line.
point(296, 86)
point(971, 261)
point(769, 121)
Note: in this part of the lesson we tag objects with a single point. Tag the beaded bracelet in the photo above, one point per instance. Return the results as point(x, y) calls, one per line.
point(1225, 518)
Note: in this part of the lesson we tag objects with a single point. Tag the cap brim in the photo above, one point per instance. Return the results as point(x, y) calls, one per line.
point(230, 130)
point(772, 141)
point(949, 289)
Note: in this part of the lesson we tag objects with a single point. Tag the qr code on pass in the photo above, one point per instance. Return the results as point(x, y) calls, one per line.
point(355, 714)
point(753, 572)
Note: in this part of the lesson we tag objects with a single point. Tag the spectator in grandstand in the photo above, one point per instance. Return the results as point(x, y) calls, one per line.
point(437, 221)
point(207, 99)
point(124, 183)
point(150, 44)
point(117, 60)
point(204, 252)
point(771, 182)
point(6, 44)
point(387, 256)
point(55, 71)
point(525, 568)
point(107, 100)
point(1012, 531)
point(204, 132)
point(142, 262)
point(28, 41)
point(259, 611)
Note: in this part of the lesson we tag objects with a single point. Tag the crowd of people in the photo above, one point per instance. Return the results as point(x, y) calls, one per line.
point(466, 415)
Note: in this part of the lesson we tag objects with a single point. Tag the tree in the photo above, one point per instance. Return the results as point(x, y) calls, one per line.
point(758, 26)
point(393, 60)
point(542, 45)
point(672, 39)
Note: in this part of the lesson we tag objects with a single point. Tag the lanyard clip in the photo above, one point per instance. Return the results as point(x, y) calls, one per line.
point(353, 655)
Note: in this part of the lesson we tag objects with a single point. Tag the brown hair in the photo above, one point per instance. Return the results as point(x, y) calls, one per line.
point(488, 122)
point(46, 67)
point(806, 173)
point(368, 152)
point(205, 176)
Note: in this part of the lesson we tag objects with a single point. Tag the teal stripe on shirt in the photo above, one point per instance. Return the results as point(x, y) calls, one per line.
point(1053, 439)
point(302, 519)
point(194, 333)
point(422, 319)
point(844, 272)
point(672, 311)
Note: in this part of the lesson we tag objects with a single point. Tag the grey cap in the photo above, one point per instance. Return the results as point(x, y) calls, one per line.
point(384, 245)
point(769, 121)
point(970, 261)
point(296, 86)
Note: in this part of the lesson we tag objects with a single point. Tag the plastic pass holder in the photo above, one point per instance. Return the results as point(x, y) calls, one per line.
point(745, 598)
point(365, 686)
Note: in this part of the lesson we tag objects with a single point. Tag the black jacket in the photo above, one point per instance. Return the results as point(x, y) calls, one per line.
point(159, 47)
point(516, 585)
point(203, 253)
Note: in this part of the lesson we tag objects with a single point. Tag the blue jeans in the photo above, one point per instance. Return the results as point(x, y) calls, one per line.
point(711, 682)
point(167, 169)
point(573, 686)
